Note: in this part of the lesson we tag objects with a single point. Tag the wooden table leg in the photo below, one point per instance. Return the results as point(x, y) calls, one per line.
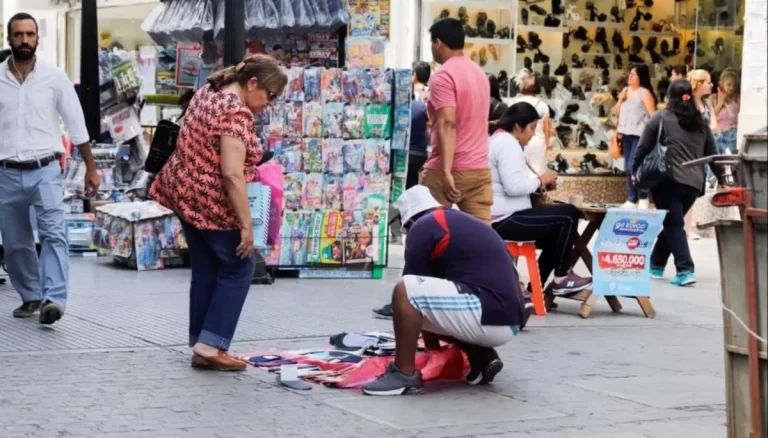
point(614, 303)
point(586, 306)
point(645, 304)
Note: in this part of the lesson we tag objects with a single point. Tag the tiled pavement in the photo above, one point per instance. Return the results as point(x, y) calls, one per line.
point(116, 365)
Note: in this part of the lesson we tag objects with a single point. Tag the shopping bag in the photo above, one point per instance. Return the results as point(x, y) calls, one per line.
point(271, 175)
point(614, 148)
point(259, 198)
point(654, 167)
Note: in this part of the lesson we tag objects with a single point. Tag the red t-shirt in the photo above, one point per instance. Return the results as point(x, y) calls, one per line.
point(462, 84)
point(191, 183)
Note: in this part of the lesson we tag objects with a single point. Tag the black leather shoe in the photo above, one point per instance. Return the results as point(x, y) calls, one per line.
point(27, 309)
point(50, 313)
point(538, 10)
point(524, 16)
point(561, 69)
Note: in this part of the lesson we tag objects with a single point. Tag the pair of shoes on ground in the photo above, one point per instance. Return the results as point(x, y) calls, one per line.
point(50, 312)
point(484, 366)
point(682, 280)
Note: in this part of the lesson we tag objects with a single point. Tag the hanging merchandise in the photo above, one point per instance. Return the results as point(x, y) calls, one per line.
point(331, 134)
point(188, 66)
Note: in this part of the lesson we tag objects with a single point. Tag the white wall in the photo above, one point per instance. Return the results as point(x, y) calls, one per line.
point(754, 91)
point(403, 32)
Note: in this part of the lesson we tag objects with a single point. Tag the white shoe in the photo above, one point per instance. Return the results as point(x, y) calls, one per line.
point(644, 204)
point(629, 205)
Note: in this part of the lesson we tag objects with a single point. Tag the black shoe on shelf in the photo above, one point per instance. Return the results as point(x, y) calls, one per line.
point(651, 44)
point(545, 70)
point(634, 58)
point(586, 128)
point(655, 57)
point(587, 46)
point(538, 10)
point(616, 14)
point(567, 39)
point(561, 69)
point(637, 44)
point(581, 34)
point(522, 45)
point(524, 16)
point(527, 63)
point(542, 56)
point(534, 41)
point(618, 41)
point(665, 52)
point(577, 62)
point(551, 21)
point(383, 313)
point(618, 61)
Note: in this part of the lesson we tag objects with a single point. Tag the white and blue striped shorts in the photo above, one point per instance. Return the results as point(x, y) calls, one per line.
point(450, 313)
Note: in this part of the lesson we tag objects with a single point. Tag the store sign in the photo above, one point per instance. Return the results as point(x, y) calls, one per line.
point(621, 259)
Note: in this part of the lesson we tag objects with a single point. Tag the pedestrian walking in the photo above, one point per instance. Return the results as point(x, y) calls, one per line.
point(34, 96)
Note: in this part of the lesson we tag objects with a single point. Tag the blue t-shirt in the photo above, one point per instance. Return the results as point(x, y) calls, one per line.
point(418, 144)
point(455, 246)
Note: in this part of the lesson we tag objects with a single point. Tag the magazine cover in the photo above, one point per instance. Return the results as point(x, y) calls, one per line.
point(275, 144)
point(276, 120)
point(313, 155)
point(332, 191)
point(333, 120)
point(378, 121)
point(313, 191)
point(312, 84)
point(377, 156)
point(333, 155)
point(147, 247)
point(295, 238)
point(351, 85)
point(364, 234)
point(331, 90)
point(353, 191)
point(381, 82)
point(331, 248)
point(354, 120)
point(293, 119)
point(400, 166)
point(289, 155)
point(376, 191)
point(294, 91)
point(313, 119)
point(403, 87)
point(293, 190)
point(366, 87)
point(354, 156)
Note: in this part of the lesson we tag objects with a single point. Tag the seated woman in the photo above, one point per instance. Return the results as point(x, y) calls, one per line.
point(552, 227)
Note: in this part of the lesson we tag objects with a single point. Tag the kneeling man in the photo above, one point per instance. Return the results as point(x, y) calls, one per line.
point(458, 285)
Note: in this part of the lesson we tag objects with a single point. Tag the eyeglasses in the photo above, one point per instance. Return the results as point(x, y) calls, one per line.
point(272, 96)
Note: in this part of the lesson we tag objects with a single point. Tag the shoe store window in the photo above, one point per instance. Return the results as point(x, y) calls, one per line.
point(582, 49)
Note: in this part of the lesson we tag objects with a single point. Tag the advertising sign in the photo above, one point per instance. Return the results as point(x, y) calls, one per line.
point(621, 259)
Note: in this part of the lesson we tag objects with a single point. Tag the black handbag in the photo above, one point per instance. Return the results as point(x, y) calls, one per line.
point(162, 147)
point(654, 167)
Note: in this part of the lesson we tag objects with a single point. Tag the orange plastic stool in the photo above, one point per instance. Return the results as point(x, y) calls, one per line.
point(528, 250)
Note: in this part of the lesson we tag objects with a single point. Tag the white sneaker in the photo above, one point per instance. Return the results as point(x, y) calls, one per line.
point(644, 204)
point(629, 205)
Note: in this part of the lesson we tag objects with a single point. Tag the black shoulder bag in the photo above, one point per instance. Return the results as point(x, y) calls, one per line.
point(655, 166)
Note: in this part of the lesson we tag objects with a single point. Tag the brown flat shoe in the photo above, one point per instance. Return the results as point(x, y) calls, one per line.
point(221, 362)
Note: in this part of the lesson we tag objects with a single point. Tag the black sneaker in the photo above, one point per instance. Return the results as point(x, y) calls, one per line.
point(383, 313)
point(27, 309)
point(50, 313)
point(484, 364)
point(394, 382)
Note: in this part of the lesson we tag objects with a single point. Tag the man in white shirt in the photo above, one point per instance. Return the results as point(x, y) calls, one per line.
point(34, 95)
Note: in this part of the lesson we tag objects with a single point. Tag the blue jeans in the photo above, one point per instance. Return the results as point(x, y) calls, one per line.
point(628, 146)
point(677, 199)
point(220, 283)
point(726, 140)
point(21, 192)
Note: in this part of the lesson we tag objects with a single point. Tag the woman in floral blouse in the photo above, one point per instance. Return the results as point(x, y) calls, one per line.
point(204, 182)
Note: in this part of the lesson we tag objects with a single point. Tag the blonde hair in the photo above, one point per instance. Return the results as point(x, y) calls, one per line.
point(262, 67)
point(698, 77)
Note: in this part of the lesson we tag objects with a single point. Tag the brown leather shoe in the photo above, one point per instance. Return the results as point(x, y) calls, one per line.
point(221, 362)
point(27, 309)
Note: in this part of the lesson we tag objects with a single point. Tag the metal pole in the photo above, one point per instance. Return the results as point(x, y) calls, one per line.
point(234, 31)
point(89, 68)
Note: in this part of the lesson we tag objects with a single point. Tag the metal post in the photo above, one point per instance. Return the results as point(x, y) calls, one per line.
point(89, 68)
point(234, 31)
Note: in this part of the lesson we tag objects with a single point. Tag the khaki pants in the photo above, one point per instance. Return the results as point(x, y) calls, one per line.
point(475, 188)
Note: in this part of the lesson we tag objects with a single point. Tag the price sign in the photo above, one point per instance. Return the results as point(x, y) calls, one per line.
point(621, 258)
point(614, 260)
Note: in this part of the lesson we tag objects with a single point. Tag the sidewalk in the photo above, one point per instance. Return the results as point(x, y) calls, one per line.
point(117, 365)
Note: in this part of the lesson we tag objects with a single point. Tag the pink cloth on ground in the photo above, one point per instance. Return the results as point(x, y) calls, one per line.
point(462, 84)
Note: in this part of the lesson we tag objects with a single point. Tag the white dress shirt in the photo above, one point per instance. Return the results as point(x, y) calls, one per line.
point(30, 113)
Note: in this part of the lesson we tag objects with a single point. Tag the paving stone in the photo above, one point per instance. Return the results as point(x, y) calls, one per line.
point(666, 392)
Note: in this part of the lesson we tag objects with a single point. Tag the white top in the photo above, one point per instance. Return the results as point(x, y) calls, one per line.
point(512, 183)
point(30, 113)
point(541, 107)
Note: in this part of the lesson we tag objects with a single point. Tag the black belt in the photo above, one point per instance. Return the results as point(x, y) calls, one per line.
point(30, 165)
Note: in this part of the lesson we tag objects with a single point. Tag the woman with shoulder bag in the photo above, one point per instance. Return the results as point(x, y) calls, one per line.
point(687, 137)
point(554, 227)
point(204, 182)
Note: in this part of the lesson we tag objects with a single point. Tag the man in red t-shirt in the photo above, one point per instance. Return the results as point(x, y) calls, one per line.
point(457, 172)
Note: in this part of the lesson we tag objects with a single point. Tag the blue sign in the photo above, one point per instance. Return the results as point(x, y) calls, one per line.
point(621, 260)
